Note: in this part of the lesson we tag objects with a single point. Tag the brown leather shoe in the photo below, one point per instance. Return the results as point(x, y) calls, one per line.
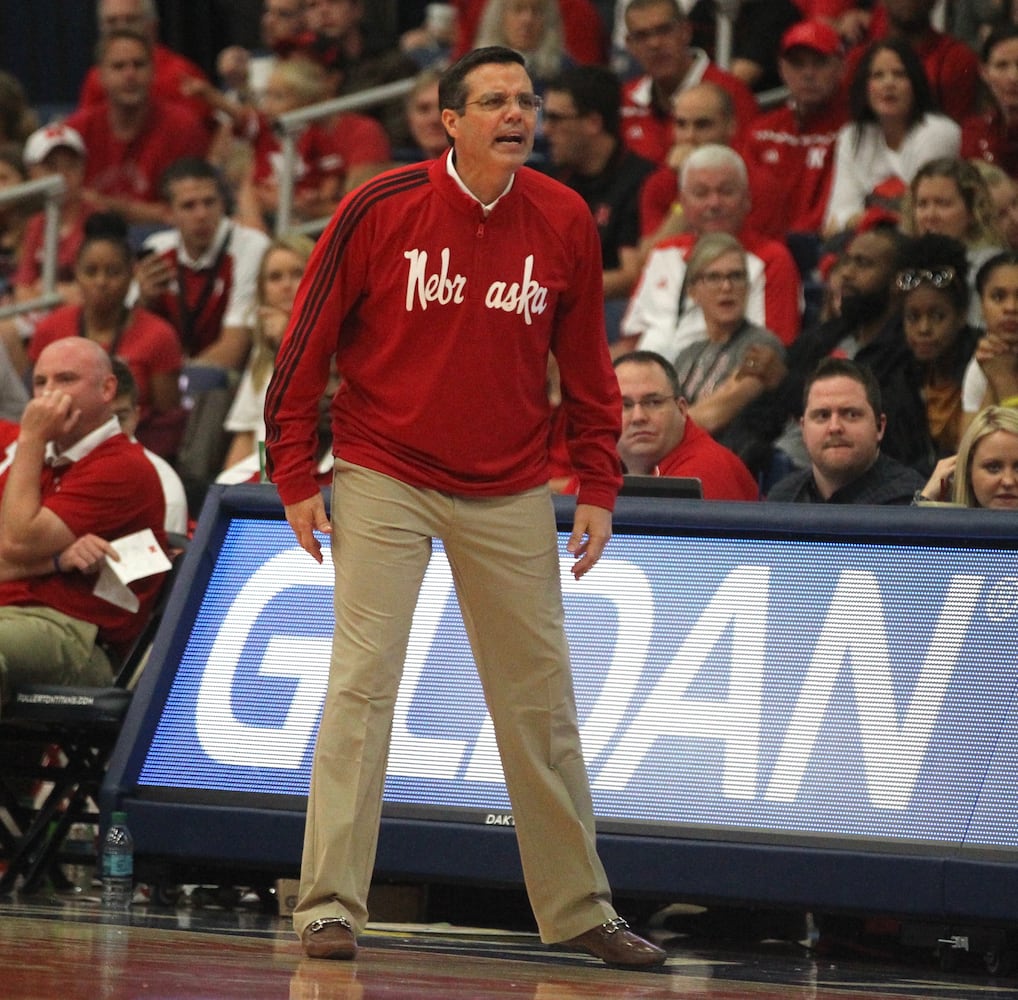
point(615, 944)
point(329, 937)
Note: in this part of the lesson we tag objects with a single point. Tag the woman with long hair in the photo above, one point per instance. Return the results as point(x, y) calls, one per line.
point(532, 27)
point(146, 342)
point(893, 131)
point(948, 196)
point(281, 270)
point(1004, 196)
point(984, 473)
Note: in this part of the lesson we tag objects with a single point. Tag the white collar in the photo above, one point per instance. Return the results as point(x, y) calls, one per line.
point(451, 168)
point(84, 446)
point(694, 75)
point(642, 94)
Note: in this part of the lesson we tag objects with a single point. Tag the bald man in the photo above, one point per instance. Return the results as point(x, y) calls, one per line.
point(76, 483)
point(701, 115)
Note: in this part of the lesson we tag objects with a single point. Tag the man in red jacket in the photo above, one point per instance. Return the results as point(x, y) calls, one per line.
point(791, 149)
point(439, 290)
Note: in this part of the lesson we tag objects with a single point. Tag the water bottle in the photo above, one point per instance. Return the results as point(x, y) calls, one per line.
point(118, 864)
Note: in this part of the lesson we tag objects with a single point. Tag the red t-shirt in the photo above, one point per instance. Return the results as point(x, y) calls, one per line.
point(68, 244)
point(354, 140)
point(720, 471)
point(148, 344)
point(133, 169)
point(323, 150)
point(169, 70)
point(989, 137)
point(112, 491)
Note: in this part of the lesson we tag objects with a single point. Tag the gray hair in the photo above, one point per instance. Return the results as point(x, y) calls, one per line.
point(714, 156)
point(707, 249)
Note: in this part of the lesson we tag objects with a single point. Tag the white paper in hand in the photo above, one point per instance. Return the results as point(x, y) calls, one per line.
point(140, 556)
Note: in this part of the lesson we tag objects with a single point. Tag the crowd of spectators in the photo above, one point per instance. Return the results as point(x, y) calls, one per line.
point(839, 187)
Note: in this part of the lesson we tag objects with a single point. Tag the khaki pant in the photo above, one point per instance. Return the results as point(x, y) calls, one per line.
point(505, 564)
point(41, 646)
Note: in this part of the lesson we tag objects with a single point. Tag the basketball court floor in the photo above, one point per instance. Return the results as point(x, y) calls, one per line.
point(68, 948)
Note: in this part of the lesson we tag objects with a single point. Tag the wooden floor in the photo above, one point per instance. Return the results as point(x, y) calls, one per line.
point(64, 948)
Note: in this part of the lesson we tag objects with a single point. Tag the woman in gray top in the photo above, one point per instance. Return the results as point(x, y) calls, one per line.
point(714, 380)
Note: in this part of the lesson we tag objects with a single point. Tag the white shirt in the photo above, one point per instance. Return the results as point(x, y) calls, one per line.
point(173, 493)
point(973, 387)
point(860, 167)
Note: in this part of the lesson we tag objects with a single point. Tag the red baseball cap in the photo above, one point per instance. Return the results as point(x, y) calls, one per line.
point(816, 35)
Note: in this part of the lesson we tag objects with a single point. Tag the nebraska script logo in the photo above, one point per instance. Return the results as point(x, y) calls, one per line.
point(524, 297)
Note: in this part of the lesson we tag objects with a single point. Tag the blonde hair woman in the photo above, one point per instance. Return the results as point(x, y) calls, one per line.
point(986, 472)
point(281, 270)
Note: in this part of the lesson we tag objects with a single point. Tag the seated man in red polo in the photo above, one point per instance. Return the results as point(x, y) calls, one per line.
point(659, 439)
point(75, 485)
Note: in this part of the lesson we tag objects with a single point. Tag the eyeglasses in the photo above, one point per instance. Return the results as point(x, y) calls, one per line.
point(940, 278)
point(643, 35)
point(716, 279)
point(491, 103)
point(649, 403)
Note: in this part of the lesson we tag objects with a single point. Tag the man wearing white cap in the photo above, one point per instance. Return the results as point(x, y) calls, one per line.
point(791, 149)
point(55, 150)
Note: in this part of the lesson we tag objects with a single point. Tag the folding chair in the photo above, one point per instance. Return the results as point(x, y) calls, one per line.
point(62, 736)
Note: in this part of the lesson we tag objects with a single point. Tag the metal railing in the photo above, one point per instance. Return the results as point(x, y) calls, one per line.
point(51, 189)
point(290, 125)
